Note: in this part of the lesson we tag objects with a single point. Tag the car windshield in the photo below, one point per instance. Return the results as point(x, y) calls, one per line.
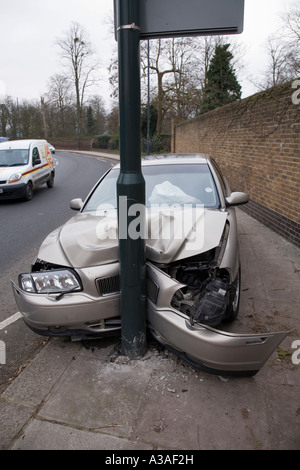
point(14, 157)
point(191, 184)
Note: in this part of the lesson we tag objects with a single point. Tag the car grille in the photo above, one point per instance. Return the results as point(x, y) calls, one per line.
point(108, 285)
point(107, 324)
point(2, 182)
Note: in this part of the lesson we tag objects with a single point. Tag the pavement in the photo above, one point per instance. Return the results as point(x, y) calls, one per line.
point(88, 396)
point(95, 153)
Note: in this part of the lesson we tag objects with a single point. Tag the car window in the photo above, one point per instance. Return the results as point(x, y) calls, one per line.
point(165, 184)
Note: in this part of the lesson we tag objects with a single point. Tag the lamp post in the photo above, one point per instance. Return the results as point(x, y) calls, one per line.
point(130, 184)
point(148, 101)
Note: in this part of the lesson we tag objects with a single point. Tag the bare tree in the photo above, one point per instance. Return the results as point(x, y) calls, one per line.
point(79, 58)
point(178, 70)
point(276, 72)
point(180, 66)
point(160, 66)
point(30, 123)
point(20, 120)
point(283, 50)
point(100, 115)
point(185, 84)
point(12, 117)
point(191, 58)
point(291, 20)
point(4, 117)
point(60, 96)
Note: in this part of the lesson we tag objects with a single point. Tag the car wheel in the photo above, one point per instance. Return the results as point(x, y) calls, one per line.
point(28, 192)
point(50, 182)
point(234, 305)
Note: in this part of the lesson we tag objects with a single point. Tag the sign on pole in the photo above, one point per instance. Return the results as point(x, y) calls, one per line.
point(171, 18)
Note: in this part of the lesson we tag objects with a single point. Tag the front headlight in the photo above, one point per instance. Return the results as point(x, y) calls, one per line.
point(47, 282)
point(15, 177)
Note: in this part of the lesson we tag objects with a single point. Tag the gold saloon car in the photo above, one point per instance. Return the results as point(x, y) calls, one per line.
point(193, 267)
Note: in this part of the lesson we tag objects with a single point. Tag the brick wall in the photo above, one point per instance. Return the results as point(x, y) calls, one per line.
point(256, 141)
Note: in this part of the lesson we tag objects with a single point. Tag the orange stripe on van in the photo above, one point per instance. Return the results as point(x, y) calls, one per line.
point(33, 171)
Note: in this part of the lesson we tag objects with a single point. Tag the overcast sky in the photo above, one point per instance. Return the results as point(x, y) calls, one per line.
point(28, 55)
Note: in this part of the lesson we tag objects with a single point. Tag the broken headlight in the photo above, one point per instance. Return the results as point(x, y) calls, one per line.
point(46, 282)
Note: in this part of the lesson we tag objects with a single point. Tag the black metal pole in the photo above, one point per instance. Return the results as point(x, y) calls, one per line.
point(131, 184)
point(148, 104)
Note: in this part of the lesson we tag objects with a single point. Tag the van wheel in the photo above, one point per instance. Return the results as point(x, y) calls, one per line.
point(50, 182)
point(28, 192)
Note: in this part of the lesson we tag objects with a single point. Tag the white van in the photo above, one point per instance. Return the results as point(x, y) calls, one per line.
point(24, 166)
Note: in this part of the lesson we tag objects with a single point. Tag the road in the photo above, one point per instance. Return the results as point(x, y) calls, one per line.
point(24, 225)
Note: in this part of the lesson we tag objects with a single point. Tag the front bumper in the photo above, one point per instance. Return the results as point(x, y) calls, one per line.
point(210, 349)
point(12, 191)
point(88, 315)
point(74, 314)
point(205, 347)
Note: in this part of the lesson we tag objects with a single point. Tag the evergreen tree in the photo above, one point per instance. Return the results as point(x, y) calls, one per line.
point(221, 85)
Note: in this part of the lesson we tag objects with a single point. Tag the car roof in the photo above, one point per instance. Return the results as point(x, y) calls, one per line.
point(174, 158)
point(20, 144)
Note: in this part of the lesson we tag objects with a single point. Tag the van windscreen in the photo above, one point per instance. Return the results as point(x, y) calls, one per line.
point(14, 157)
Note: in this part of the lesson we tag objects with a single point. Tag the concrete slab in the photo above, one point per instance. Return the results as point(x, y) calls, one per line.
point(44, 435)
point(37, 380)
point(106, 396)
point(13, 417)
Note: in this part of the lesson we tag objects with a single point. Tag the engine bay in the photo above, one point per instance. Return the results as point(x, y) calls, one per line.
point(207, 294)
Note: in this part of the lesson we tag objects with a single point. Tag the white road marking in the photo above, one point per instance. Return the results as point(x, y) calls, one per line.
point(10, 320)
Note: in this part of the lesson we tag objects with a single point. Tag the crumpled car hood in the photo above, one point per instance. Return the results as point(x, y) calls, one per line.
point(180, 234)
point(91, 239)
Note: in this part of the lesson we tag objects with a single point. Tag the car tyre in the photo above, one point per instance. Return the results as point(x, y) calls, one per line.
point(50, 182)
point(28, 192)
point(234, 305)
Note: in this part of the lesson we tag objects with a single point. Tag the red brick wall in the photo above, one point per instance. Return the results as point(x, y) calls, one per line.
point(256, 141)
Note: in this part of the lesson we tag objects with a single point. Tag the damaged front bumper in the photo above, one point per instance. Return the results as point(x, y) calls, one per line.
point(210, 349)
point(205, 347)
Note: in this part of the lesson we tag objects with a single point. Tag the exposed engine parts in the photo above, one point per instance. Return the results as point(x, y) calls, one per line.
point(207, 294)
point(210, 308)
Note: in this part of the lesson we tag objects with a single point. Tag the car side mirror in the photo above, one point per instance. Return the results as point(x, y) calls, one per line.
point(76, 204)
point(237, 199)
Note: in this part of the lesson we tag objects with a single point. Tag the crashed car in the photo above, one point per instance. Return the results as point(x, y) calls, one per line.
point(193, 267)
